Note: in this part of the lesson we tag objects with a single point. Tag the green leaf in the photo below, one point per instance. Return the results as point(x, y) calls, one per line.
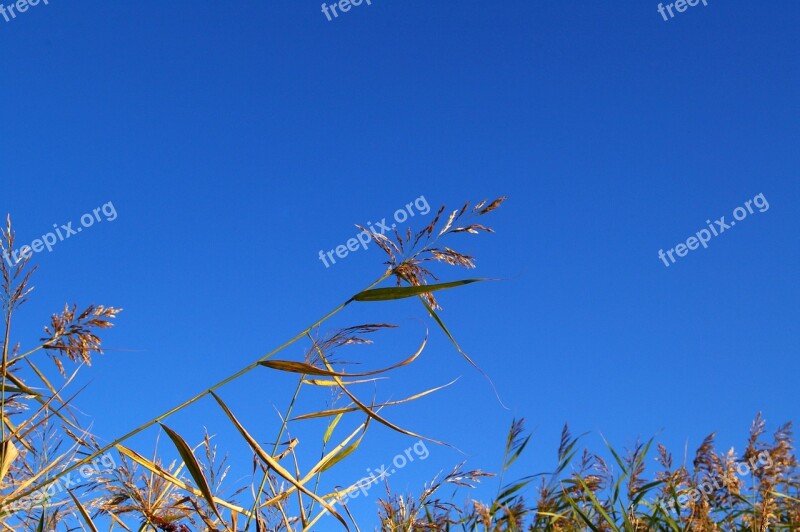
point(401, 292)
point(329, 431)
point(341, 455)
point(512, 489)
point(597, 505)
point(581, 514)
point(513, 457)
point(193, 466)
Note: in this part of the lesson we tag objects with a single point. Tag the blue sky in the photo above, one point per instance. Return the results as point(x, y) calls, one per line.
point(236, 141)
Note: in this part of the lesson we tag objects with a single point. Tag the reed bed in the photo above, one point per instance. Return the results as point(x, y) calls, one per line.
point(44, 445)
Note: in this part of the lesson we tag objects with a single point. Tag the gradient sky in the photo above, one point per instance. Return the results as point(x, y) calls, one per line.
point(237, 140)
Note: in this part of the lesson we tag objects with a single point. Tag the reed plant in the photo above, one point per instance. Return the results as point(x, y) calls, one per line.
point(44, 446)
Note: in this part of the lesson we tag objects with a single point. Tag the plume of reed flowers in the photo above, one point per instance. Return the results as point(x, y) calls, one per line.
point(41, 433)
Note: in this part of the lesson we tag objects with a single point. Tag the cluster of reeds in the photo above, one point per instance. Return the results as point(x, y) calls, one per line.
point(40, 434)
point(44, 446)
point(757, 490)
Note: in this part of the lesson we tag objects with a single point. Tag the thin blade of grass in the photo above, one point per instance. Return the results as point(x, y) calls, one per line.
point(461, 351)
point(318, 466)
point(329, 431)
point(597, 505)
point(326, 382)
point(308, 369)
point(83, 512)
point(344, 410)
point(582, 515)
point(371, 413)
point(272, 463)
point(193, 466)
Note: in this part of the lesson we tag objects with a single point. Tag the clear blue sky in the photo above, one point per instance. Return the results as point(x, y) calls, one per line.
point(238, 139)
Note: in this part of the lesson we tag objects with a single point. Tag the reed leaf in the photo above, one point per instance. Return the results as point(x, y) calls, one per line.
point(193, 466)
point(402, 292)
point(84, 514)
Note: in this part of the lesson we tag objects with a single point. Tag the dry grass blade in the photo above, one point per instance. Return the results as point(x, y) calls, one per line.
point(308, 369)
point(51, 411)
point(189, 402)
point(369, 411)
point(8, 453)
point(55, 393)
point(274, 465)
point(13, 430)
point(291, 366)
point(344, 410)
